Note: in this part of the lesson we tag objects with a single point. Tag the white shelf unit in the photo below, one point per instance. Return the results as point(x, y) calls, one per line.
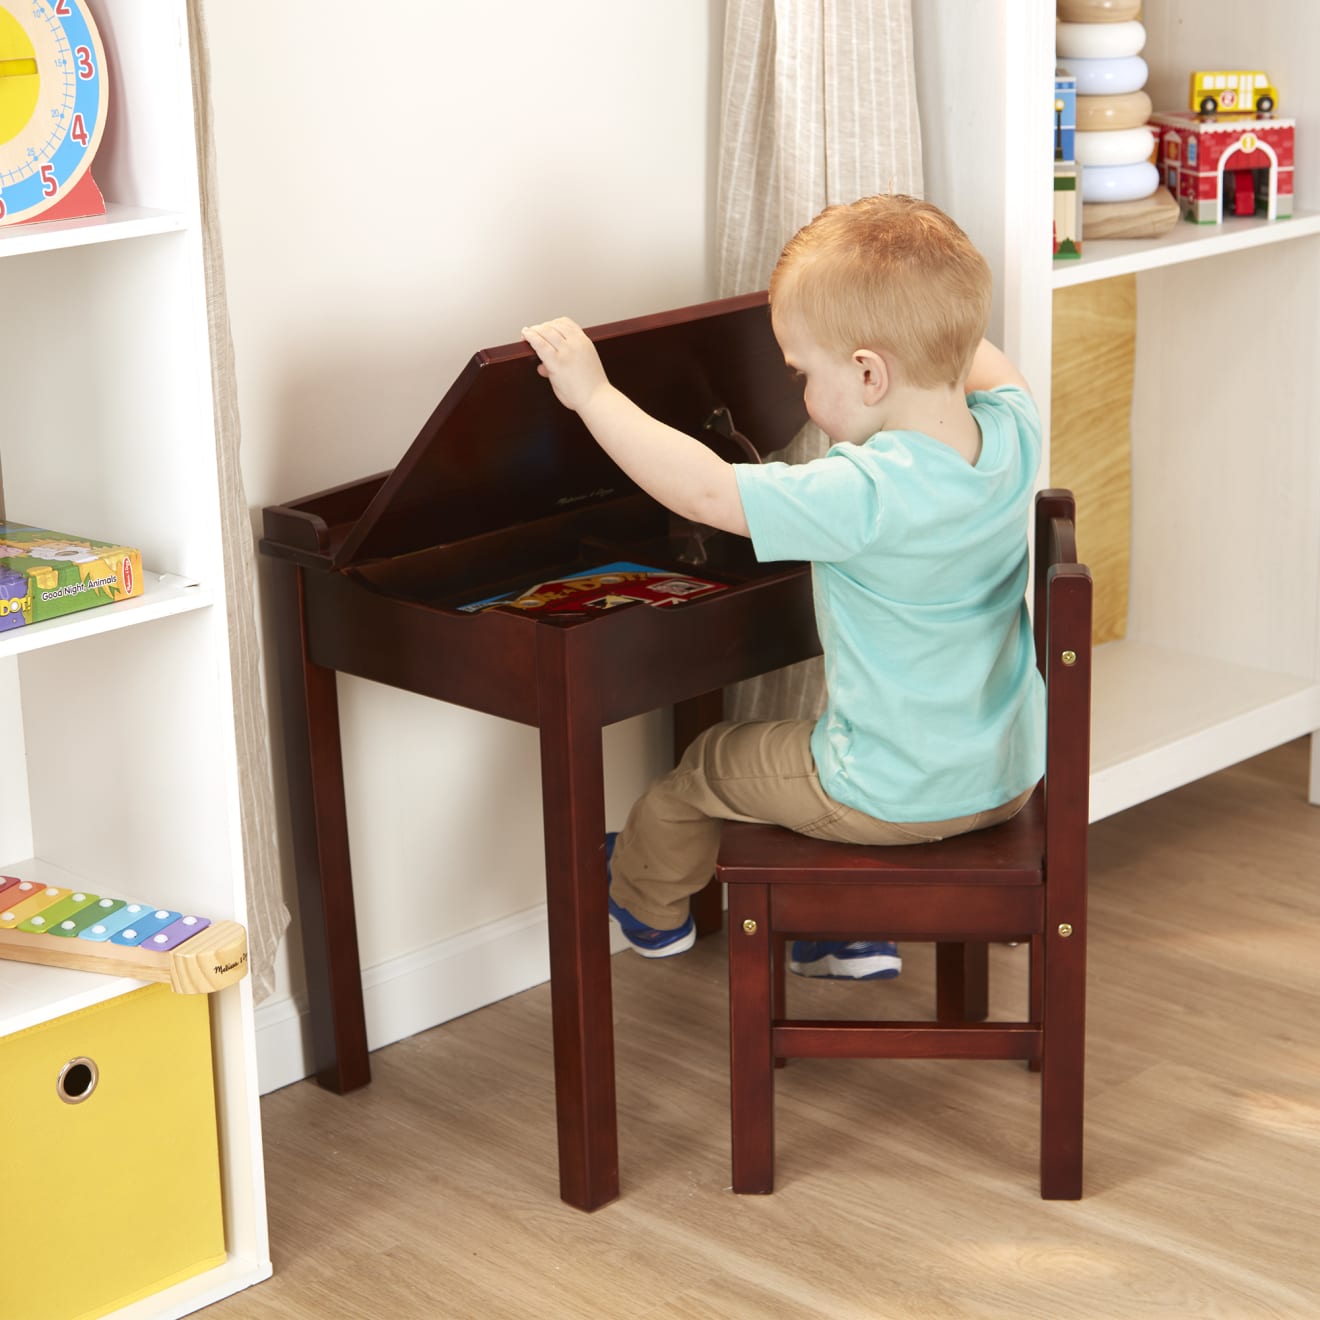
point(118, 222)
point(1221, 659)
point(117, 722)
point(1102, 259)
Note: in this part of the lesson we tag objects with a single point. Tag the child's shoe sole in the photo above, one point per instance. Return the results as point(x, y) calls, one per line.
point(879, 963)
point(681, 945)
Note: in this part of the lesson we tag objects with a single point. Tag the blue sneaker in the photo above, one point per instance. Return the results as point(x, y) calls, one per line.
point(843, 961)
point(648, 941)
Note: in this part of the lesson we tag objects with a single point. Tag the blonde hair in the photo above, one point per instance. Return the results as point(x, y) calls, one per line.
point(888, 273)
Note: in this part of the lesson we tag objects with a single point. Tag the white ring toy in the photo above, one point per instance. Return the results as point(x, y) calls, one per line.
point(1099, 41)
point(1107, 77)
point(1121, 146)
point(1119, 183)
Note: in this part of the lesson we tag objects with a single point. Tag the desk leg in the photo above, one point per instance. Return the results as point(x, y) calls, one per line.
point(692, 717)
point(573, 800)
point(320, 843)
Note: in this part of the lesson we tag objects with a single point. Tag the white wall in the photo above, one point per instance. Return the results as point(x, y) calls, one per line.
point(395, 194)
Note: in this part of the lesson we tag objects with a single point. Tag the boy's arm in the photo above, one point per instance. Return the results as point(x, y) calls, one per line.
point(671, 467)
point(991, 368)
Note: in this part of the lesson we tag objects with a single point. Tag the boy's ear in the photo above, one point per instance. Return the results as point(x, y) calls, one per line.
point(874, 375)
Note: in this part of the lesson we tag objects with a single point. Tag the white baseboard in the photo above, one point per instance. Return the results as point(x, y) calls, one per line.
point(418, 991)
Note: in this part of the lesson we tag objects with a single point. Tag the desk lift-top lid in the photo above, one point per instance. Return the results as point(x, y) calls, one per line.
point(500, 450)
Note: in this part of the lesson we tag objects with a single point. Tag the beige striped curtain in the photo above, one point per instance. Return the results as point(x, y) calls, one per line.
point(819, 106)
point(267, 916)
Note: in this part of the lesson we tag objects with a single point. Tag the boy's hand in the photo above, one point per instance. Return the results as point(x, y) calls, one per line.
point(673, 468)
point(568, 359)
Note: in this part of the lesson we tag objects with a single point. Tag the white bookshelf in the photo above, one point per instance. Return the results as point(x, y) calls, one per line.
point(118, 222)
point(163, 595)
point(1168, 717)
point(116, 722)
point(1221, 658)
point(1102, 259)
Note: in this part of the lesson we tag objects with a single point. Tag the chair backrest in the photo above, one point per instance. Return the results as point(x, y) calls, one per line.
point(1062, 622)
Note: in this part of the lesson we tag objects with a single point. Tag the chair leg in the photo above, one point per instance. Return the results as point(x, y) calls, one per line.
point(780, 1008)
point(1062, 1068)
point(708, 908)
point(962, 982)
point(751, 1059)
point(1035, 988)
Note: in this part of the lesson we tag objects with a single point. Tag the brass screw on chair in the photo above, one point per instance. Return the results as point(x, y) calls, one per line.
point(1069, 657)
point(749, 926)
point(1065, 929)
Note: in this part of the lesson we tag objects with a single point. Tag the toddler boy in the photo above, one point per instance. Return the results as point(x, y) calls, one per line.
point(915, 527)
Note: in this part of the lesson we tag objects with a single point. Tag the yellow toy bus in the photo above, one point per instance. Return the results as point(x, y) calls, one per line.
point(1232, 92)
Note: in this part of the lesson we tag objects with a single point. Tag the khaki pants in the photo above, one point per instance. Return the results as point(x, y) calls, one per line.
point(751, 772)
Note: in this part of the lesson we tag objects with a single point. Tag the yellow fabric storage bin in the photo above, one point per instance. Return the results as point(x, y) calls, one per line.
point(110, 1176)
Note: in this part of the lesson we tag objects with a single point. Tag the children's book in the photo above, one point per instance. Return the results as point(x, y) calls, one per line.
point(594, 590)
point(45, 574)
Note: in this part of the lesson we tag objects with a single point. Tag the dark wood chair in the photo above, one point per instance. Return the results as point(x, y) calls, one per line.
point(1021, 881)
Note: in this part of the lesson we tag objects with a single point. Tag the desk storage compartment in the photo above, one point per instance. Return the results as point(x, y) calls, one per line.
point(110, 1177)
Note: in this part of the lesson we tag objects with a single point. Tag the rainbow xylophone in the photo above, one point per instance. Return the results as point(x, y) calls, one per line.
point(69, 928)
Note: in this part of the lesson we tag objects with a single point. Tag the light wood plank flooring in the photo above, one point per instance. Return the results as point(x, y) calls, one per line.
point(905, 1188)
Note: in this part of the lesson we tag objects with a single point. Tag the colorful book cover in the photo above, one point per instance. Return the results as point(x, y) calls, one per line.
point(598, 589)
point(45, 574)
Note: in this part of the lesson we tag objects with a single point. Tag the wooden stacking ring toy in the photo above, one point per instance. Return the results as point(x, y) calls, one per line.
point(1104, 114)
point(1099, 41)
point(1119, 183)
point(1123, 146)
point(1098, 11)
point(1107, 77)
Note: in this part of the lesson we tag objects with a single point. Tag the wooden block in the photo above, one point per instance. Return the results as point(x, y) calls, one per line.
point(1148, 218)
point(1090, 432)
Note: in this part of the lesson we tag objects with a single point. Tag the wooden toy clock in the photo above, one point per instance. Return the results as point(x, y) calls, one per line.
point(53, 99)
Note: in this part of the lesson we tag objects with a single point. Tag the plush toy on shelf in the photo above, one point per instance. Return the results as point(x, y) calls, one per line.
point(1099, 43)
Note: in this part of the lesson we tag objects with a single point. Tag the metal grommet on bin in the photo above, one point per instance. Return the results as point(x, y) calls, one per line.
point(77, 1081)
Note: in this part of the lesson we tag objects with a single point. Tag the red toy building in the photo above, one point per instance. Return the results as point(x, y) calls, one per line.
point(1234, 164)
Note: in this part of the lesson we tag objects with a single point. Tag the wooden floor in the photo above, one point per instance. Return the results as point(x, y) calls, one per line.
point(432, 1193)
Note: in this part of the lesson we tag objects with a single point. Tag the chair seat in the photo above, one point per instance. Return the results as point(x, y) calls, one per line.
point(1007, 854)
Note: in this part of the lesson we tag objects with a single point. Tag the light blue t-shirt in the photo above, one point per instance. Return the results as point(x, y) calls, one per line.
point(919, 572)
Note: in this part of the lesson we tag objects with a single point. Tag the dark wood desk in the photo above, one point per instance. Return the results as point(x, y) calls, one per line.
point(504, 486)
